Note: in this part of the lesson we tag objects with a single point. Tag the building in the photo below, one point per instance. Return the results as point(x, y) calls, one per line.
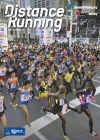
point(42, 4)
point(12, 33)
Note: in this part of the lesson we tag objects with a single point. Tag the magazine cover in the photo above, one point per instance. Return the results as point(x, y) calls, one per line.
point(49, 69)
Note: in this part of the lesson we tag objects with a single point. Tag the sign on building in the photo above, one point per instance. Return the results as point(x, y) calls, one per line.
point(3, 36)
point(46, 36)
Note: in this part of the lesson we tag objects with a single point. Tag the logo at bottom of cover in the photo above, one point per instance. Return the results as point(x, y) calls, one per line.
point(14, 131)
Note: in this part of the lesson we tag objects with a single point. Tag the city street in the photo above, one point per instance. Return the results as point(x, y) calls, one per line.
point(47, 126)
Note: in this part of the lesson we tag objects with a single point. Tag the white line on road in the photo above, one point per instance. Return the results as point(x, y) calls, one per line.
point(40, 136)
point(96, 80)
point(95, 104)
point(44, 121)
point(97, 77)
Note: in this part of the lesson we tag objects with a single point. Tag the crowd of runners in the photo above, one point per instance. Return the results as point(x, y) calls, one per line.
point(57, 71)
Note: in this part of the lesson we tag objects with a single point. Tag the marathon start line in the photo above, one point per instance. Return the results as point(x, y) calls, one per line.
point(45, 120)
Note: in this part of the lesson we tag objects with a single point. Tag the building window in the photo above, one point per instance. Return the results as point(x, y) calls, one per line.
point(48, 3)
point(35, 4)
point(43, 4)
point(1, 13)
point(39, 4)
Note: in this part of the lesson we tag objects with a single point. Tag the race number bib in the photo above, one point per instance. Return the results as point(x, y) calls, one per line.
point(33, 67)
point(24, 97)
point(49, 81)
point(69, 79)
point(55, 76)
point(29, 77)
point(13, 85)
point(61, 102)
point(1, 107)
point(60, 70)
point(87, 99)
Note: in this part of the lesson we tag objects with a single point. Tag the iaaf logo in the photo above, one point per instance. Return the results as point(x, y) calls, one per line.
point(78, 13)
point(13, 131)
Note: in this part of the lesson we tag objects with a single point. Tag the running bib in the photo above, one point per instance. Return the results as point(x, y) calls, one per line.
point(1, 108)
point(25, 97)
point(13, 85)
point(68, 62)
point(22, 67)
point(33, 67)
point(29, 77)
point(49, 81)
point(55, 76)
point(69, 79)
point(2, 72)
point(87, 99)
point(61, 102)
point(40, 73)
point(60, 70)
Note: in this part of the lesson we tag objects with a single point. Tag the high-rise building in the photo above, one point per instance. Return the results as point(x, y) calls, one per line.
point(12, 33)
point(42, 4)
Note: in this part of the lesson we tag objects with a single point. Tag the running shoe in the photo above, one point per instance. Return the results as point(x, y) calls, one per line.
point(52, 105)
point(93, 134)
point(12, 105)
point(43, 109)
point(92, 99)
point(29, 125)
point(66, 137)
point(16, 105)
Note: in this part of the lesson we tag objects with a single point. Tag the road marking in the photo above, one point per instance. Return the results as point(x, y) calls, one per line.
point(95, 104)
point(40, 136)
point(97, 77)
point(44, 121)
point(95, 80)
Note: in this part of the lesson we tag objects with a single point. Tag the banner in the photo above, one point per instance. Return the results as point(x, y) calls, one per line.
point(3, 36)
point(46, 36)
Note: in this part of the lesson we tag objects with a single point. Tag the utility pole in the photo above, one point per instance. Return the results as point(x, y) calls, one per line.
point(70, 38)
point(28, 35)
point(71, 24)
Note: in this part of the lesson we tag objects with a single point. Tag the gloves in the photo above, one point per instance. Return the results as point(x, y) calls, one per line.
point(92, 98)
point(82, 102)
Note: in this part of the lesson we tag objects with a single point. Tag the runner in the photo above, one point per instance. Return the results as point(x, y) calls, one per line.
point(1, 85)
point(84, 99)
point(24, 99)
point(67, 81)
point(57, 108)
point(3, 70)
point(43, 89)
point(12, 86)
point(2, 115)
point(28, 75)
